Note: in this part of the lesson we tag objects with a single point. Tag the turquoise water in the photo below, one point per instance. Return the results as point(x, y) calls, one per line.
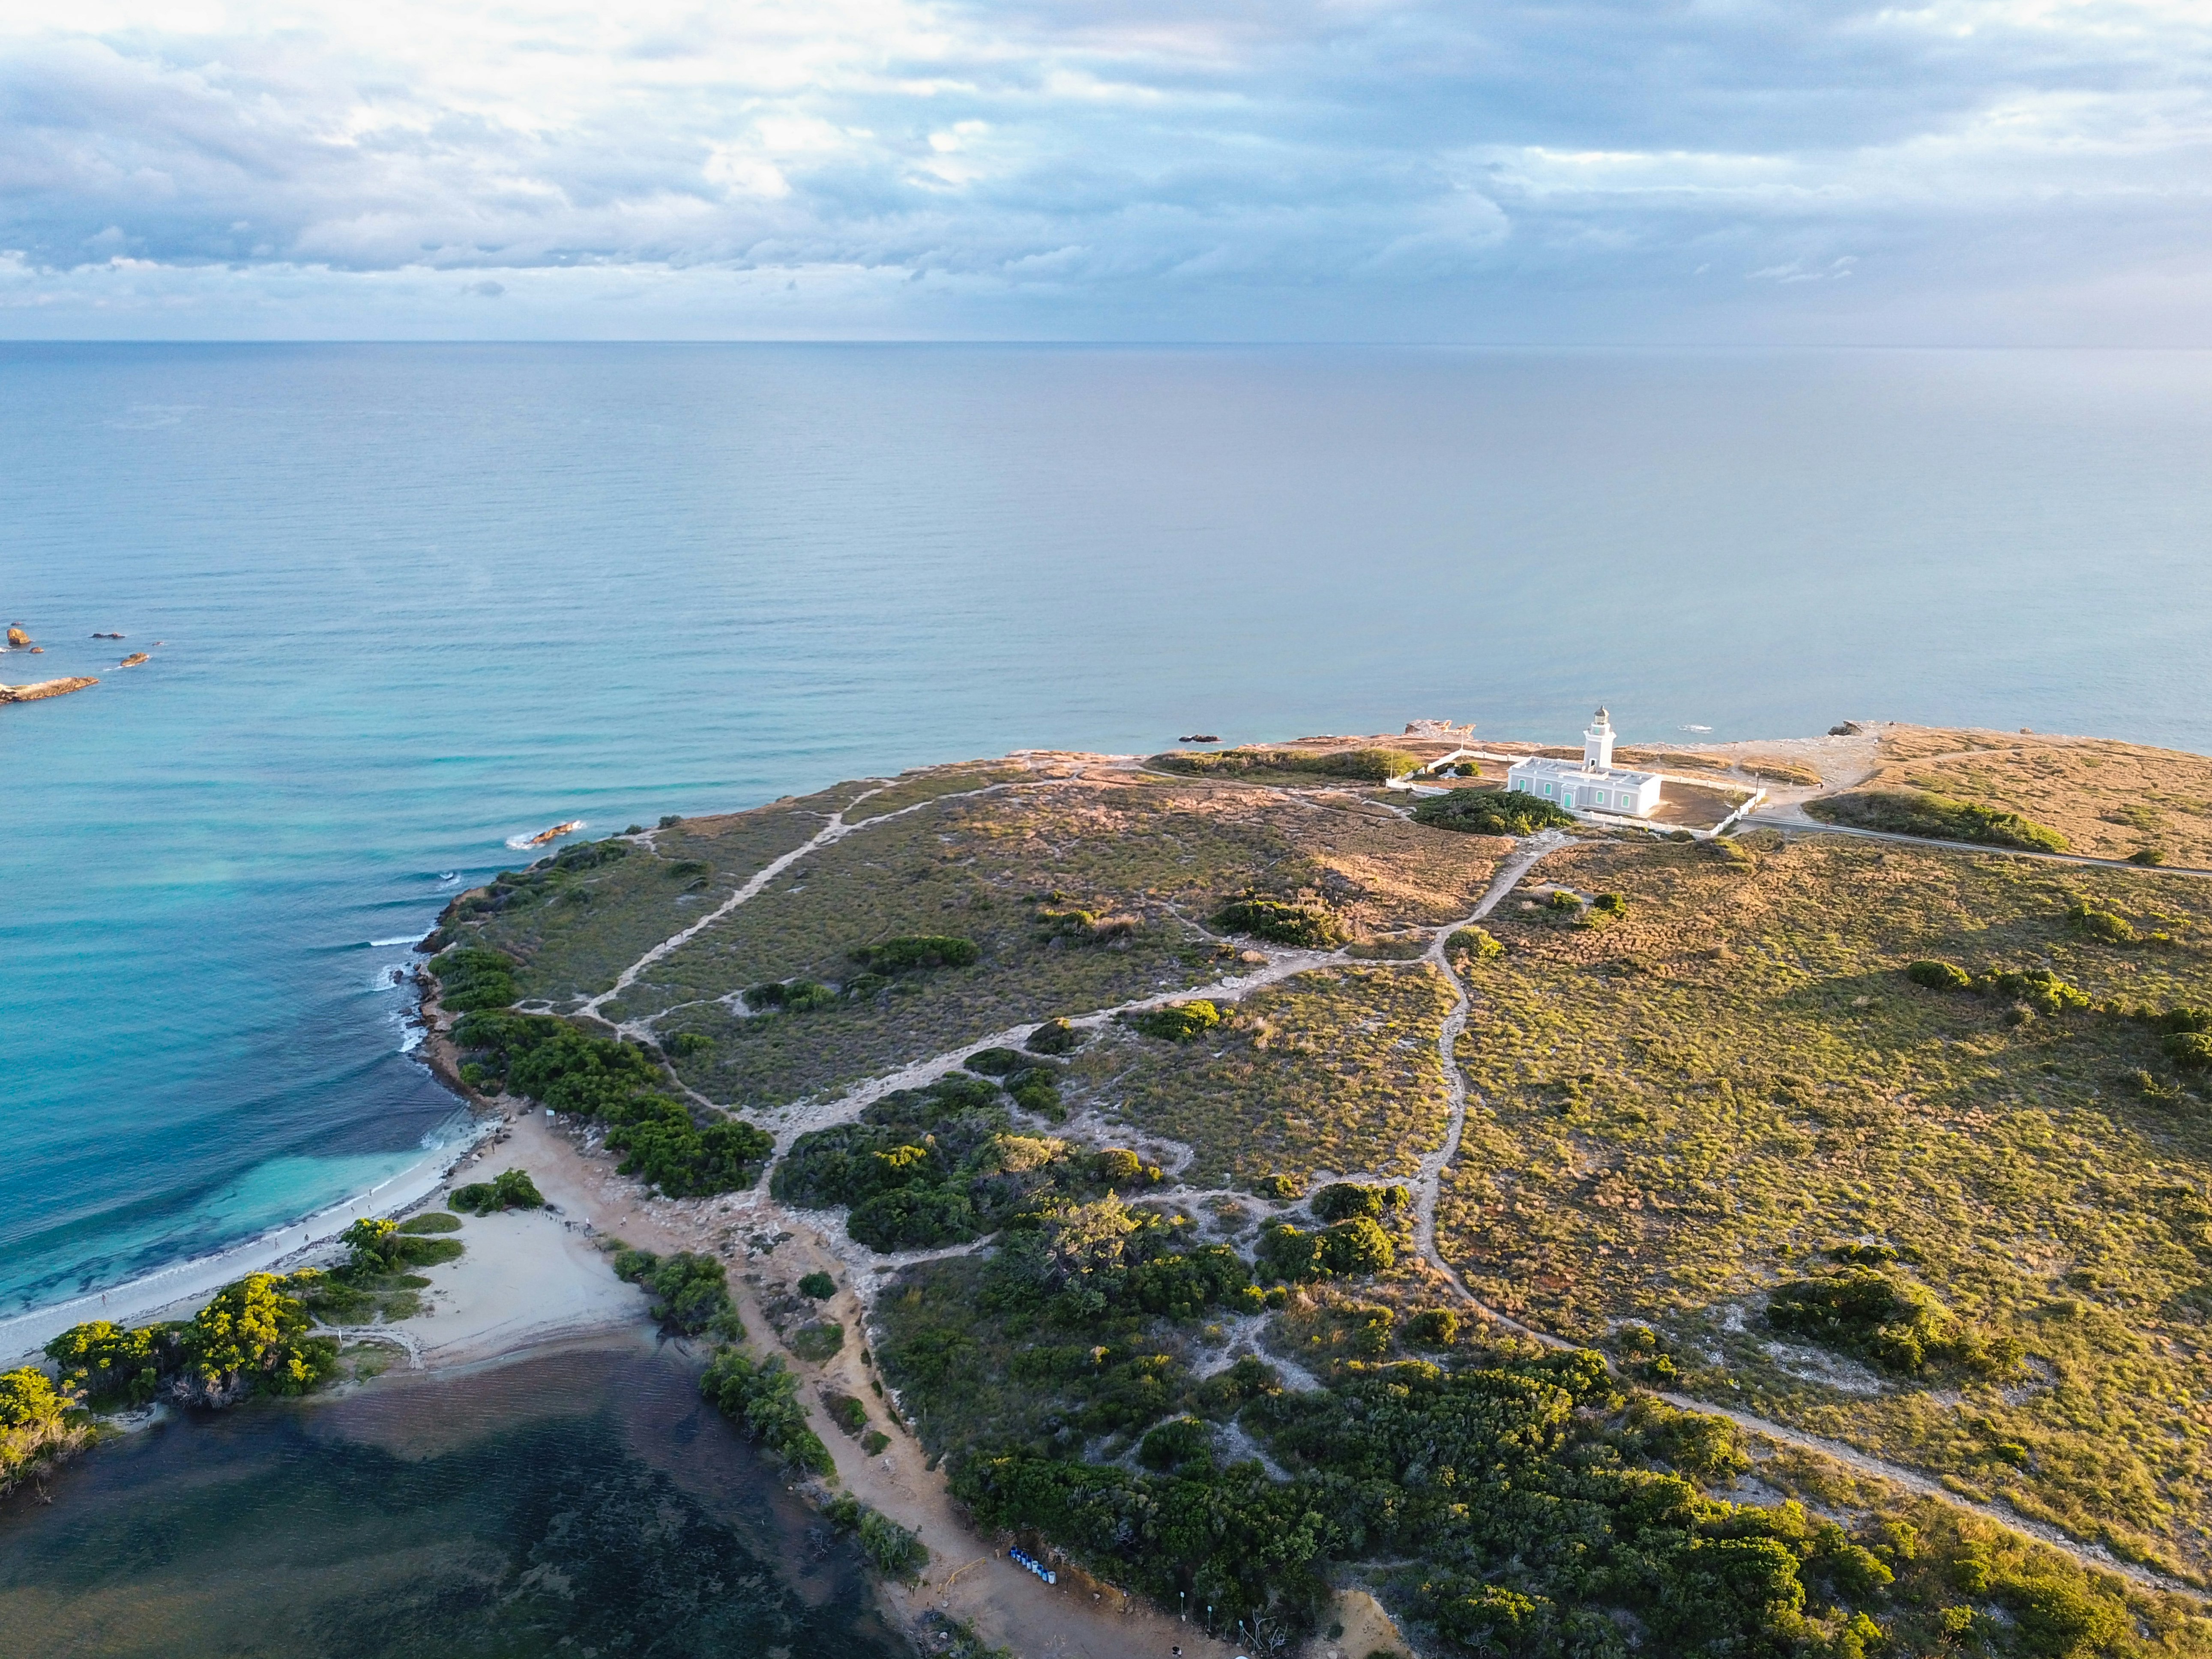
point(416, 600)
point(573, 1504)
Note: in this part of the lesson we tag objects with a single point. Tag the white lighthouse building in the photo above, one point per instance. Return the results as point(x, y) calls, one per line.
point(1592, 785)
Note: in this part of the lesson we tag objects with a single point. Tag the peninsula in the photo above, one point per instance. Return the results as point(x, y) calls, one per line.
point(1317, 1197)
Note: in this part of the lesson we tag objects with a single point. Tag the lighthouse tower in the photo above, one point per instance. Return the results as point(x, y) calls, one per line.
point(1597, 744)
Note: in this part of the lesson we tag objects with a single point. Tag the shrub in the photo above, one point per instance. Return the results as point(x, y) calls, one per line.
point(472, 978)
point(669, 1152)
point(1610, 904)
point(1563, 900)
point(510, 1189)
point(1183, 1445)
point(691, 1291)
point(818, 1285)
point(111, 1365)
point(1939, 976)
point(791, 996)
point(997, 1063)
point(911, 953)
point(1373, 765)
point(1491, 812)
point(252, 1337)
point(1117, 1166)
point(816, 1342)
point(2151, 857)
point(2104, 926)
point(1287, 1187)
point(1357, 1246)
point(2190, 1050)
point(1342, 1199)
point(33, 1425)
point(1885, 1319)
point(1475, 942)
point(2040, 989)
point(890, 1548)
point(763, 1398)
point(1055, 1036)
point(684, 1044)
point(1433, 1327)
point(431, 1221)
point(687, 869)
point(1938, 817)
point(1177, 1023)
point(1305, 925)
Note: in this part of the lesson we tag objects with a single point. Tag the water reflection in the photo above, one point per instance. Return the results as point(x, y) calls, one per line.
point(582, 1503)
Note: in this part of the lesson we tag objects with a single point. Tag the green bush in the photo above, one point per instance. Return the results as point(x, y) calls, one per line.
point(2040, 989)
point(252, 1337)
point(795, 996)
point(691, 1291)
point(1433, 1327)
point(817, 1285)
point(684, 1044)
point(891, 1550)
point(1341, 1200)
point(1055, 1036)
point(510, 1189)
point(1372, 765)
point(1178, 1022)
point(1940, 975)
point(2190, 1050)
point(2104, 926)
point(471, 979)
point(34, 1428)
point(1610, 904)
point(1937, 817)
point(1117, 1166)
point(111, 1365)
point(1491, 812)
point(997, 1063)
point(847, 1413)
point(816, 1342)
point(763, 1398)
point(668, 1150)
point(912, 953)
point(1475, 942)
point(1183, 1445)
point(431, 1221)
point(1305, 925)
point(1883, 1318)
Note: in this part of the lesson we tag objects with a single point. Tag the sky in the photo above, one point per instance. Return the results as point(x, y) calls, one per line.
point(1817, 171)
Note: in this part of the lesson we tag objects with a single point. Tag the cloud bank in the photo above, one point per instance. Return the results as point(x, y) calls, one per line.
point(1820, 170)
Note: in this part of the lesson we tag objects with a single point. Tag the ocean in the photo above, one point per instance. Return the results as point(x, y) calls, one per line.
point(406, 603)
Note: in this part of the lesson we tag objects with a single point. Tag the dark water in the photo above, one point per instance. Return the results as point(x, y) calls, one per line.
point(417, 599)
point(579, 1504)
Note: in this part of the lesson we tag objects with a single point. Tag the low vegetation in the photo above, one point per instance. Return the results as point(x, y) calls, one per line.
point(690, 1292)
point(510, 1189)
point(554, 1062)
point(1368, 765)
point(36, 1428)
point(1492, 812)
point(761, 1397)
point(1936, 818)
point(940, 1165)
point(1308, 926)
point(252, 1337)
point(1787, 1046)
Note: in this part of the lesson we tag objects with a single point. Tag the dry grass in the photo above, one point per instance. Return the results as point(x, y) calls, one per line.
point(1334, 1070)
point(2109, 800)
point(1683, 1107)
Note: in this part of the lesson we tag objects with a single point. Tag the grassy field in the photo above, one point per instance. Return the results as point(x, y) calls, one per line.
point(2109, 800)
point(1335, 1070)
point(1686, 1106)
point(1164, 856)
point(573, 936)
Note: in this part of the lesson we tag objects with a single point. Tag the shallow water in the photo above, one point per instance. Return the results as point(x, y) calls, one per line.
point(418, 600)
point(582, 1503)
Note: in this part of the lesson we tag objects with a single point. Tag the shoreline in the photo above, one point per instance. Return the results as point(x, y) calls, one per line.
point(187, 1285)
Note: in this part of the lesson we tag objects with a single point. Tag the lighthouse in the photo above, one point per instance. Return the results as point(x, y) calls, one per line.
point(1597, 744)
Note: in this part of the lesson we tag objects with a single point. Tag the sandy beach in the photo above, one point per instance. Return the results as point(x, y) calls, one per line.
point(530, 1279)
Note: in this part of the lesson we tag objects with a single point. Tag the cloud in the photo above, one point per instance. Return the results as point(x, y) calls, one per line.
point(1387, 168)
